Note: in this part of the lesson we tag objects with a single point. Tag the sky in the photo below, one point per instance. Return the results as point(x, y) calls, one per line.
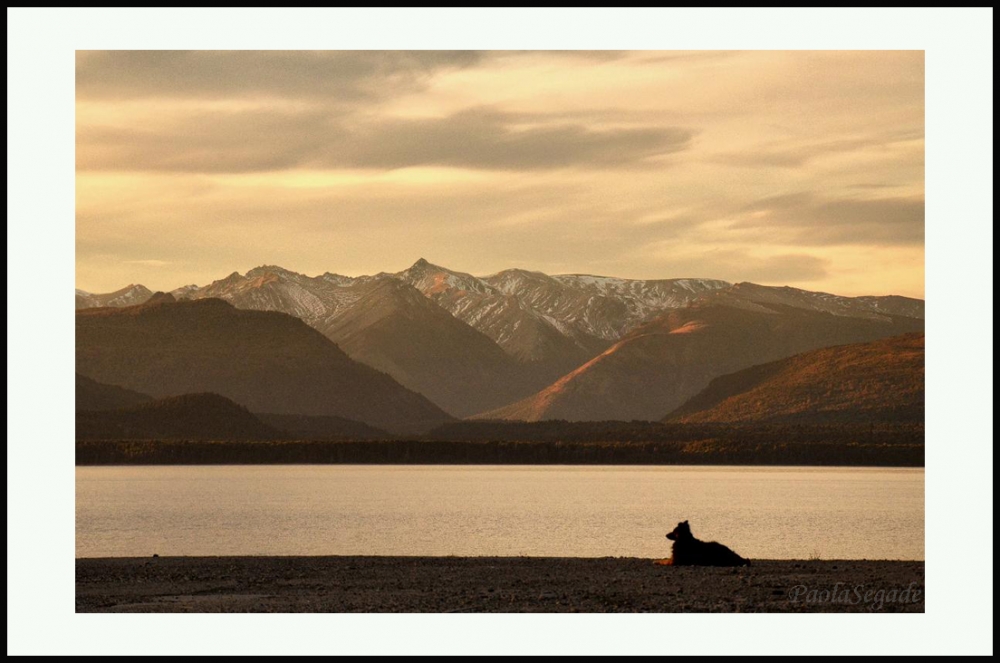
point(800, 168)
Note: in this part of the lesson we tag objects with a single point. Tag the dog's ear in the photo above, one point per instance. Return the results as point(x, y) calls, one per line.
point(685, 522)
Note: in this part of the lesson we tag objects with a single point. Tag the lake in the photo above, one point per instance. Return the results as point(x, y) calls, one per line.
point(580, 511)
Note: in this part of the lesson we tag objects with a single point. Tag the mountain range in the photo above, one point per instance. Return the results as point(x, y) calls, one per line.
point(130, 295)
point(107, 412)
point(657, 367)
point(92, 395)
point(186, 417)
point(263, 360)
point(876, 382)
point(521, 344)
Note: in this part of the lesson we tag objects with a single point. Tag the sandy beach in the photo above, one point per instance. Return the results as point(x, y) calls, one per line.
point(490, 584)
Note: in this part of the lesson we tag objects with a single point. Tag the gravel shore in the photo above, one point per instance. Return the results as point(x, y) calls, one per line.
point(490, 584)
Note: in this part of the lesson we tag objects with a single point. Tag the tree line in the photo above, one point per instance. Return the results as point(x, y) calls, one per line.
point(885, 445)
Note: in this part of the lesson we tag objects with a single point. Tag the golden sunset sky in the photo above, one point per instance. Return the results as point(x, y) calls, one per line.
point(802, 168)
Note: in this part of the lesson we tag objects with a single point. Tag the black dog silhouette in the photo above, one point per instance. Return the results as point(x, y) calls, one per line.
point(689, 551)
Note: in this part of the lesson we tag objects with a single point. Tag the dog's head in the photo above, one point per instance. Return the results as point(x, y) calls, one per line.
point(682, 531)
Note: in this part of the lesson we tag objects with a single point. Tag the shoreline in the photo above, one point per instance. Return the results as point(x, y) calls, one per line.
point(491, 584)
point(547, 443)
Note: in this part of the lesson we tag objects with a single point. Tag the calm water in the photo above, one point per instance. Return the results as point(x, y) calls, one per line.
point(778, 513)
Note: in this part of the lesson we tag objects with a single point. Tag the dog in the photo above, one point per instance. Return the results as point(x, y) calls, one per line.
point(689, 551)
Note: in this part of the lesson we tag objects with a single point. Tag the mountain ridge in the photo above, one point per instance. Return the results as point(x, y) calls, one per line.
point(94, 395)
point(266, 361)
point(665, 362)
point(479, 345)
point(192, 416)
point(879, 381)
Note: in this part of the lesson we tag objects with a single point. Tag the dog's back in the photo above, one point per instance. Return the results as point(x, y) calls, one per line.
point(689, 551)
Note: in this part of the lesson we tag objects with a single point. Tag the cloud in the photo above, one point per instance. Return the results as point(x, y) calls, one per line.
point(784, 268)
point(643, 164)
point(344, 76)
point(796, 155)
point(740, 265)
point(149, 263)
point(591, 55)
point(334, 76)
point(261, 140)
point(807, 218)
